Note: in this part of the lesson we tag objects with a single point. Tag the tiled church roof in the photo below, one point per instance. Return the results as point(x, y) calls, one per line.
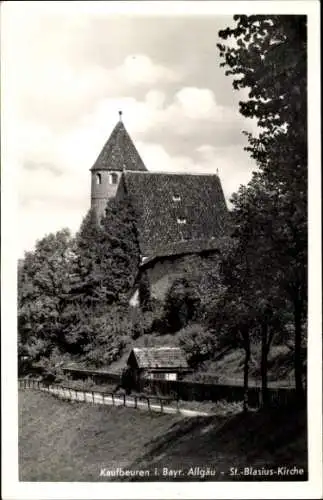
point(178, 213)
point(119, 153)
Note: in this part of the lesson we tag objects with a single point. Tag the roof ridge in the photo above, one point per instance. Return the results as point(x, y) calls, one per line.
point(159, 172)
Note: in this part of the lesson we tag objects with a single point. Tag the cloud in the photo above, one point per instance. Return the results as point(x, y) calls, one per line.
point(58, 94)
point(139, 69)
point(196, 103)
point(46, 166)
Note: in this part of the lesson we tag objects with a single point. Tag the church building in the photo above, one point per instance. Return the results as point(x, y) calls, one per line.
point(180, 214)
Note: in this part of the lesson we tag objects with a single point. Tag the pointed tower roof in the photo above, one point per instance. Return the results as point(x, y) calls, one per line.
point(119, 152)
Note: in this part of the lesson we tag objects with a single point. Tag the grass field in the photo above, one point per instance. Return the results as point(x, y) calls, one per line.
point(66, 441)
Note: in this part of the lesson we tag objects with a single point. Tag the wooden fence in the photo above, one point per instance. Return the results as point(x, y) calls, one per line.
point(194, 391)
point(98, 376)
point(151, 403)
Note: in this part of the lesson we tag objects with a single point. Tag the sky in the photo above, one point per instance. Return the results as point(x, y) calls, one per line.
point(68, 73)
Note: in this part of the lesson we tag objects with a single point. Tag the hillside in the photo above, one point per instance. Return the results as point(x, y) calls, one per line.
point(64, 441)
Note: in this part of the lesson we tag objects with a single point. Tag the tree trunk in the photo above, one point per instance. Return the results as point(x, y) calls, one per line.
point(264, 366)
point(246, 371)
point(298, 353)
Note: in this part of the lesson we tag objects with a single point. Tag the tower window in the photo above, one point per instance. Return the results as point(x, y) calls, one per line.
point(98, 179)
point(113, 178)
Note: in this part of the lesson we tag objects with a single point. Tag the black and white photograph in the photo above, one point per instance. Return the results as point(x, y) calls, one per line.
point(166, 323)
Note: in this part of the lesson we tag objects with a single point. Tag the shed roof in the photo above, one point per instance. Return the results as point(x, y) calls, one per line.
point(119, 152)
point(159, 357)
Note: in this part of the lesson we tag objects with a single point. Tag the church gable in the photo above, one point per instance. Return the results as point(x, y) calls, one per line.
point(177, 213)
point(119, 153)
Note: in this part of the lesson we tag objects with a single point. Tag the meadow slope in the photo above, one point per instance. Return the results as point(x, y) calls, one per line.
point(66, 441)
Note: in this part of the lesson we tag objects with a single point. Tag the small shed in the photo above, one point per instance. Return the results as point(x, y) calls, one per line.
point(163, 363)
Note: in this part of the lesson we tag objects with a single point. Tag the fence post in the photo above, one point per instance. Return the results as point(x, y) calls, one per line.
point(124, 400)
point(112, 397)
point(148, 401)
point(161, 405)
point(136, 402)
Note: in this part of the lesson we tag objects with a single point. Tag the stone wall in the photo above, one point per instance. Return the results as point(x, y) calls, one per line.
point(103, 189)
point(163, 272)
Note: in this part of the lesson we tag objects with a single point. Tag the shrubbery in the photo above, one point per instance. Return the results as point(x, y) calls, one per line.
point(198, 343)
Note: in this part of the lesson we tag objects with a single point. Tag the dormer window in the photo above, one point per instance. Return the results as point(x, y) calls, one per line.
point(98, 179)
point(113, 178)
point(176, 197)
point(181, 221)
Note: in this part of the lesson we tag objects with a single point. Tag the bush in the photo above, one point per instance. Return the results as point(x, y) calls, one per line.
point(181, 305)
point(198, 343)
point(142, 323)
point(108, 335)
point(52, 366)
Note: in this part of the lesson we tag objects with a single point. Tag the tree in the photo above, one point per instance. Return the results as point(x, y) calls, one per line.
point(270, 59)
point(107, 256)
point(234, 311)
point(43, 282)
point(256, 224)
point(74, 293)
point(106, 334)
point(104, 272)
point(87, 280)
point(121, 246)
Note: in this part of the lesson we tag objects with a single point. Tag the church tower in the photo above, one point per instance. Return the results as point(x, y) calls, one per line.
point(118, 154)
